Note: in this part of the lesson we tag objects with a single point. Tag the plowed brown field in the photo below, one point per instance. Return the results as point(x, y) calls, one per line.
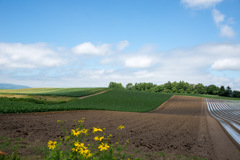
point(182, 126)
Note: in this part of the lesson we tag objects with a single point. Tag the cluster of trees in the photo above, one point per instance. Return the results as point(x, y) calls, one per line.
point(115, 85)
point(179, 87)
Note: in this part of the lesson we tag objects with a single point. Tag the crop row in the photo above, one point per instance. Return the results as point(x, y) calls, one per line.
point(228, 115)
point(114, 100)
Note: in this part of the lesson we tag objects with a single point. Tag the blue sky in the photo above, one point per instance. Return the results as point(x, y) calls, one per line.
point(80, 43)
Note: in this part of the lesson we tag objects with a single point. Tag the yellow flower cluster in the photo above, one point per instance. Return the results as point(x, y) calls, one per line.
point(81, 121)
point(81, 149)
point(121, 127)
point(97, 129)
point(98, 138)
point(101, 149)
point(52, 144)
point(103, 146)
point(84, 131)
point(77, 132)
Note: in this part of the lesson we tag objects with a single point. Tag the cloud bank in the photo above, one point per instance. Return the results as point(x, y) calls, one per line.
point(207, 63)
point(18, 55)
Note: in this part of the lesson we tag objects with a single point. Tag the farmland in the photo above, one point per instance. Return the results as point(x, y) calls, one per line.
point(181, 128)
point(115, 100)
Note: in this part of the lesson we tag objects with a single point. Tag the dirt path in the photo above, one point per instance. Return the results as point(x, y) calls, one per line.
point(182, 126)
point(93, 94)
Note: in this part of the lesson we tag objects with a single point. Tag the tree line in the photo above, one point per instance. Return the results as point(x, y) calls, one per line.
point(179, 87)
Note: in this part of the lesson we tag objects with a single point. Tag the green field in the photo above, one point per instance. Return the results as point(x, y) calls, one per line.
point(70, 92)
point(114, 100)
point(60, 99)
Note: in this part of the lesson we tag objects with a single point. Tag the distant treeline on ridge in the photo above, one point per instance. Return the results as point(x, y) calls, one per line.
point(179, 87)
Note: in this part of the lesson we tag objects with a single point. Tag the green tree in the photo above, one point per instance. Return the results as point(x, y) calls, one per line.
point(236, 94)
point(212, 89)
point(168, 85)
point(115, 85)
point(129, 86)
point(222, 91)
point(200, 89)
point(228, 91)
point(159, 88)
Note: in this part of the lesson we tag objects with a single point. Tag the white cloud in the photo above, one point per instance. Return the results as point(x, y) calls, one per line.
point(88, 48)
point(200, 3)
point(17, 55)
point(226, 64)
point(217, 16)
point(106, 61)
point(143, 74)
point(230, 20)
point(138, 62)
point(227, 31)
point(122, 45)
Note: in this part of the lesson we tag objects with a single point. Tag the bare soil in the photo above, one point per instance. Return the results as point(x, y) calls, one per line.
point(181, 126)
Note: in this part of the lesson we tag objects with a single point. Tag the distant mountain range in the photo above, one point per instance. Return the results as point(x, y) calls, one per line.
point(11, 86)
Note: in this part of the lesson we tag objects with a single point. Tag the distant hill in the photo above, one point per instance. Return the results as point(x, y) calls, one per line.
point(11, 86)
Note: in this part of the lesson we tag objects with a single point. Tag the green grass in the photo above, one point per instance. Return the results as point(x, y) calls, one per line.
point(113, 100)
point(9, 144)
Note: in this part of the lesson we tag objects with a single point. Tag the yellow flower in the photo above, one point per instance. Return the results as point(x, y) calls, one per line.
point(98, 138)
point(52, 144)
point(77, 144)
point(89, 155)
point(103, 146)
point(120, 127)
point(97, 129)
point(75, 132)
point(84, 131)
point(85, 152)
point(67, 138)
point(74, 149)
point(81, 121)
point(59, 121)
